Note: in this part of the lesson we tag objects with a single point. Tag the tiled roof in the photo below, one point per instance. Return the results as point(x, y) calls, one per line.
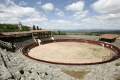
point(109, 36)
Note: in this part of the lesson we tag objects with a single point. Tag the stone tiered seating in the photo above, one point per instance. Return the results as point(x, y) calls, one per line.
point(45, 39)
point(7, 45)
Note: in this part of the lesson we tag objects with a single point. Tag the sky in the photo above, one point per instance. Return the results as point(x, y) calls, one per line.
point(62, 14)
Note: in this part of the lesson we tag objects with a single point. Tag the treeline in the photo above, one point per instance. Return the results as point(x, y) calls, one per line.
point(104, 32)
point(12, 28)
point(59, 33)
point(97, 33)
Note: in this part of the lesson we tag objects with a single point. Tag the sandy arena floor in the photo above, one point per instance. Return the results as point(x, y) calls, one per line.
point(71, 52)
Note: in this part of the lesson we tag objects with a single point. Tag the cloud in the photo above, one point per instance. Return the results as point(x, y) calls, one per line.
point(13, 13)
point(48, 7)
point(16, 11)
point(60, 24)
point(35, 20)
point(22, 3)
point(9, 2)
point(107, 22)
point(109, 18)
point(60, 12)
point(75, 7)
point(80, 15)
point(39, 2)
point(107, 6)
point(88, 23)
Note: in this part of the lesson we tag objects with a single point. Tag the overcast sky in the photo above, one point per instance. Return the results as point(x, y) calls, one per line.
point(62, 14)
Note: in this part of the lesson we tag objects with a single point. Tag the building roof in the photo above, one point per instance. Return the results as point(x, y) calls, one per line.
point(109, 36)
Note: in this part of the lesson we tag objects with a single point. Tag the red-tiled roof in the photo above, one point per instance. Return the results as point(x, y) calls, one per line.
point(109, 36)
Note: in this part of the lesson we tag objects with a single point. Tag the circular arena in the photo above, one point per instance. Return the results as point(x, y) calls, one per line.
point(72, 52)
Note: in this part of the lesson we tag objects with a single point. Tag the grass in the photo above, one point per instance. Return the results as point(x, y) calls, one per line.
point(76, 74)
